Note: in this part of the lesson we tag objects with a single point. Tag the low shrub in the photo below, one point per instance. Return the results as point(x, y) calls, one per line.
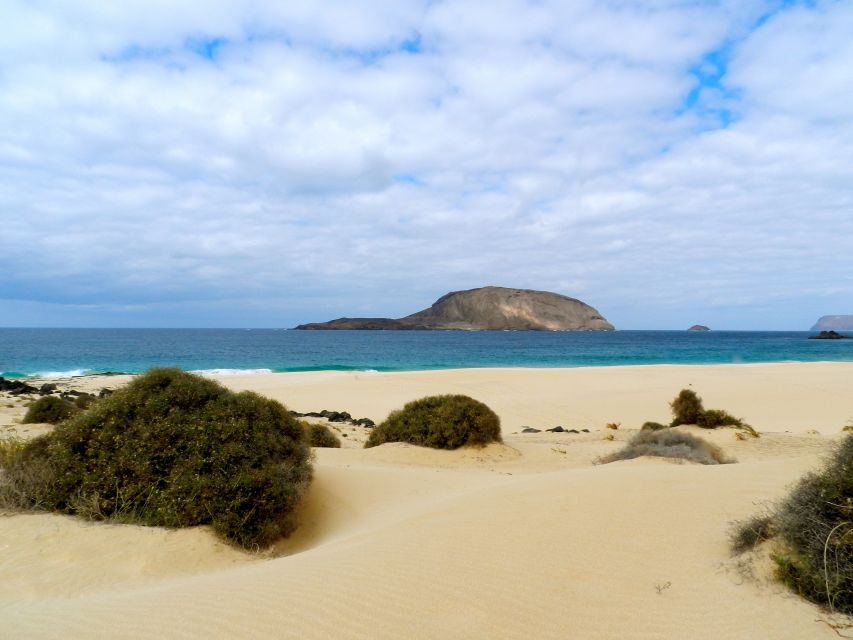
point(814, 529)
point(653, 426)
point(49, 409)
point(171, 449)
point(319, 435)
point(669, 444)
point(614, 425)
point(687, 408)
point(440, 422)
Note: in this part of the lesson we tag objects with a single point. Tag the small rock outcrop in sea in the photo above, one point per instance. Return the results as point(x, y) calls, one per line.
point(488, 309)
point(699, 327)
point(834, 323)
point(829, 335)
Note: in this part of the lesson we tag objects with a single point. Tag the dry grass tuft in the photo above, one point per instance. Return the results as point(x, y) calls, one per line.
point(669, 444)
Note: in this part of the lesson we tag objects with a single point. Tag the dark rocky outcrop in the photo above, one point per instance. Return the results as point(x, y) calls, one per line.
point(362, 323)
point(16, 387)
point(489, 309)
point(699, 327)
point(336, 416)
point(829, 335)
point(834, 323)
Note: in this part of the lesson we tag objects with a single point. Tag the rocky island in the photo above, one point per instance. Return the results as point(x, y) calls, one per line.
point(699, 327)
point(488, 309)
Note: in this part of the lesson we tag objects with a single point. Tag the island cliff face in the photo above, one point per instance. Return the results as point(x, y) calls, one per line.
point(834, 323)
point(489, 309)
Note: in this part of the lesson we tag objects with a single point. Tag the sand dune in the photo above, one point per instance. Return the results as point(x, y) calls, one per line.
point(522, 540)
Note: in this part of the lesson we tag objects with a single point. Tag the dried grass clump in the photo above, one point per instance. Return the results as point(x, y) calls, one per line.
point(170, 449)
point(748, 534)
point(653, 426)
point(669, 444)
point(440, 422)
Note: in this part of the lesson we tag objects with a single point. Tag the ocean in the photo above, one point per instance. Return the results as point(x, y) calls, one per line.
point(69, 352)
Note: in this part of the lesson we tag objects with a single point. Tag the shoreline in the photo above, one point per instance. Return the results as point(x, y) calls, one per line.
point(225, 372)
point(774, 397)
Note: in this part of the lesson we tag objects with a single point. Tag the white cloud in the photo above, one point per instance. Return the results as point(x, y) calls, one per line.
point(337, 156)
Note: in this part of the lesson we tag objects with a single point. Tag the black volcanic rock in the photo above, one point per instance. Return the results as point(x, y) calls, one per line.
point(488, 308)
point(16, 387)
point(829, 335)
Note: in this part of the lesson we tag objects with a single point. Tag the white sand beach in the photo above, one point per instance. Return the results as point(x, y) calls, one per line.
point(525, 539)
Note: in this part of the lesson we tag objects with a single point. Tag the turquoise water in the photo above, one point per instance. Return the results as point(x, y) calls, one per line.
point(27, 352)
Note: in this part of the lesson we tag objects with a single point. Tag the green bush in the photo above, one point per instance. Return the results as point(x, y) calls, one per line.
point(319, 435)
point(653, 426)
point(440, 422)
point(669, 444)
point(49, 409)
point(172, 449)
point(686, 408)
point(814, 530)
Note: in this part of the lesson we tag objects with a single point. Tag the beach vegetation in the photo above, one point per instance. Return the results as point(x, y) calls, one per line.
point(614, 425)
point(748, 534)
point(440, 422)
point(320, 435)
point(49, 409)
point(170, 449)
point(653, 426)
point(812, 529)
point(687, 408)
point(669, 444)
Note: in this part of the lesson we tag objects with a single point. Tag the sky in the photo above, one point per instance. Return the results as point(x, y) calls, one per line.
point(263, 164)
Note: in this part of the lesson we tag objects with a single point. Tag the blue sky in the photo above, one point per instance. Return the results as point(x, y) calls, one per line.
point(220, 164)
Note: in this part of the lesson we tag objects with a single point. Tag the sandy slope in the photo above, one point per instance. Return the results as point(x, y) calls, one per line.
point(522, 540)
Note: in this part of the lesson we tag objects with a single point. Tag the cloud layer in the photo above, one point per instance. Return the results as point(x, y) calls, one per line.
point(209, 164)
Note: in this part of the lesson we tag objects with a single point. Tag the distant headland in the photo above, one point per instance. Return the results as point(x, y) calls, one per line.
point(488, 309)
point(834, 323)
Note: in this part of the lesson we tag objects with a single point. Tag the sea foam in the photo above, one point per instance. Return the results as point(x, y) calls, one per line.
point(231, 372)
point(52, 375)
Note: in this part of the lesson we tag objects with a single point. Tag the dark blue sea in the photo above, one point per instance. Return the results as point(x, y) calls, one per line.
point(64, 352)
